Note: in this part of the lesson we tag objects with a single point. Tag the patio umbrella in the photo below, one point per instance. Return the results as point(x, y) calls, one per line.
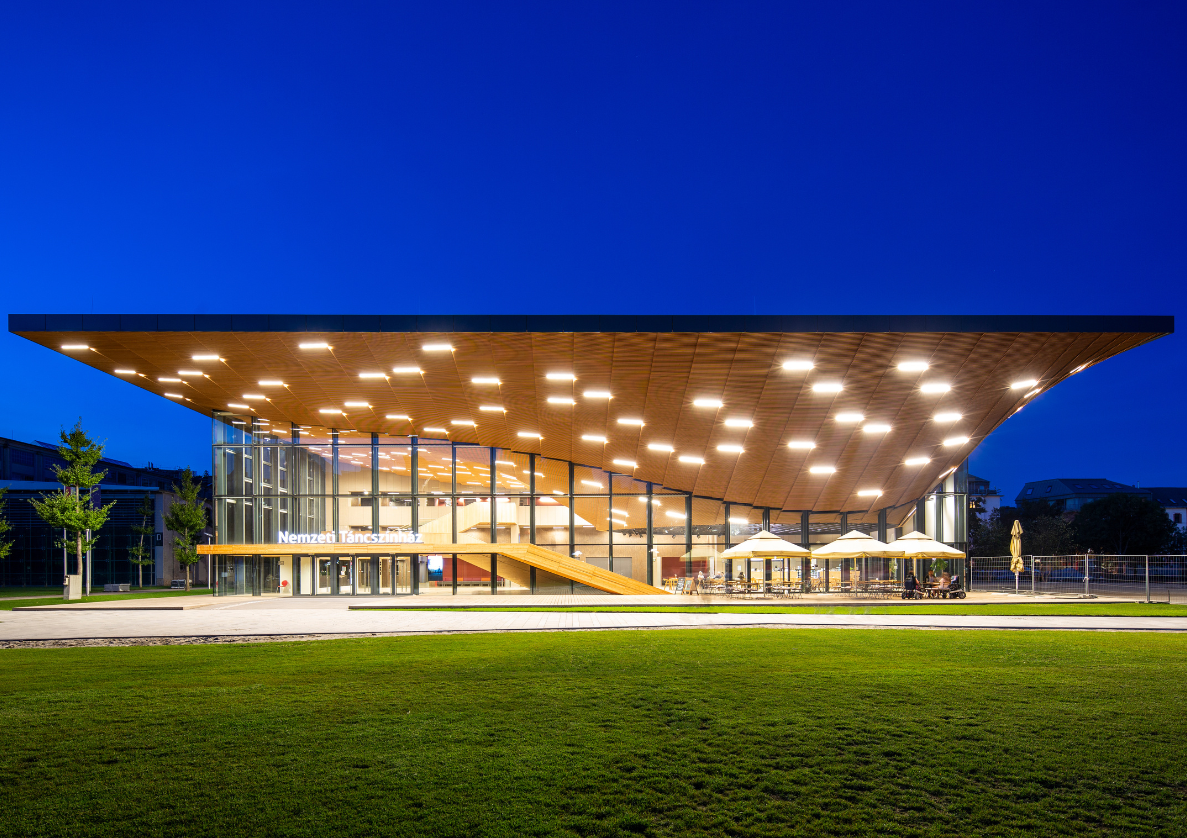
point(765, 545)
point(856, 545)
point(916, 545)
point(1016, 551)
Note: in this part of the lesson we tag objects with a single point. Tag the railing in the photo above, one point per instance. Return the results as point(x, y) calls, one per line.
point(1147, 578)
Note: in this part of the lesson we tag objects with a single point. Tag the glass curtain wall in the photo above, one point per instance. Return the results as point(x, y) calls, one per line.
point(307, 486)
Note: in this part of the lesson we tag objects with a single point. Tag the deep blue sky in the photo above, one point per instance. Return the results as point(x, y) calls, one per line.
point(559, 157)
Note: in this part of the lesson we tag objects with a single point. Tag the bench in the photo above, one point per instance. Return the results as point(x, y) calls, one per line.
point(117, 587)
point(177, 583)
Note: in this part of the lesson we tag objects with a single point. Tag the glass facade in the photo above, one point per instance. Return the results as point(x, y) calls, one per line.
point(310, 486)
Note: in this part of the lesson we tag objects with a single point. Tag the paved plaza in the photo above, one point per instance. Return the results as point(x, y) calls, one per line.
point(226, 619)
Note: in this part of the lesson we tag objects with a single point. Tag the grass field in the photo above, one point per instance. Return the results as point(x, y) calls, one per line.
point(1105, 609)
point(675, 733)
point(9, 604)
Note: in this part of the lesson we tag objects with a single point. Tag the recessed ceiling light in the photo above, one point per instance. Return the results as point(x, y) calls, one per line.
point(626, 463)
point(170, 380)
point(314, 345)
point(660, 446)
point(822, 470)
point(560, 400)
point(738, 423)
point(913, 366)
point(372, 375)
point(329, 410)
point(593, 438)
point(1080, 368)
point(850, 418)
point(1021, 385)
point(827, 387)
point(269, 382)
point(1033, 392)
point(193, 372)
point(801, 444)
point(917, 461)
point(406, 370)
point(205, 357)
point(239, 406)
point(73, 346)
point(935, 387)
point(956, 440)
point(740, 521)
point(175, 395)
point(798, 366)
point(504, 463)
point(598, 394)
point(875, 428)
point(253, 396)
point(492, 408)
point(731, 449)
point(529, 435)
point(693, 460)
point(947, 417)
point(636, 422)
point(125, 372)
point(437, 347)
point(481, 379)
point(707, 403)
point(560, 376)
point(355, 404)
point(437, 430)
point(593, 483)
point(869, 493)
point(401, 416)
point(465, 422)
point(672, 514)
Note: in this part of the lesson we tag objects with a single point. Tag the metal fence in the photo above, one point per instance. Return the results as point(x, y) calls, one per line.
point(1147, 578)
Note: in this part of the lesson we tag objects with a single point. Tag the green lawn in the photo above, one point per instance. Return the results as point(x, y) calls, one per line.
point(677, 733)
point(153, 593)
point(1104, 609)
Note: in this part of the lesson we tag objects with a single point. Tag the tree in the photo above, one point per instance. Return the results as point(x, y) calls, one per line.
point(139, 554)
point(72, 509)
point(186, 519)
point(5, 526)
point(1046, 532)
point(1124, 525)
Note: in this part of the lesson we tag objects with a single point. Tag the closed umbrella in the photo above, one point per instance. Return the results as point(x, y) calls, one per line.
point(1016, 551)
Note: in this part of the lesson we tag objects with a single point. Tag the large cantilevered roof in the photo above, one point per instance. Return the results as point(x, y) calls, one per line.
point(720, 399)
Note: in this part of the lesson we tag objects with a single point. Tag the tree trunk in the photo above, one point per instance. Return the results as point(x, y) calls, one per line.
point(187, 577)
point(81, 566)
point(139, 576)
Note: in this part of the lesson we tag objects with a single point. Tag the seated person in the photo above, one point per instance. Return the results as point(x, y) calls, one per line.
point(911, 586)
point(945, 581)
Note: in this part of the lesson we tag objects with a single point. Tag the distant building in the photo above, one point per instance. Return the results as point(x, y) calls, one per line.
point(27, 471)
point(980, 489)
point(1070, 494)
point(1174, 501)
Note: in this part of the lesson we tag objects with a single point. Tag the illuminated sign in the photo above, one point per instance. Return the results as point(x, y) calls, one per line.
point(351, 537)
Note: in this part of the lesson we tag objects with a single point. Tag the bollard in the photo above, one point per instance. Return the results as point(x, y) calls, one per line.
point(1148, 580)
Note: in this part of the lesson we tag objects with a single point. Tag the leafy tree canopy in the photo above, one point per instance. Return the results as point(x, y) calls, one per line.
point(1124, 525)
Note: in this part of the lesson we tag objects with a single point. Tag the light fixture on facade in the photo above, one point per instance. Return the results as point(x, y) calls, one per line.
point(731, 449)
point(597, 394)
point(560, 376)
point(312, 345)
point(917, 461)
point(660, 446)
point(798, 366)
point(1024, 385)
point(869, 493)
point(697, 461)
point(822, 470)
point(738, 423)
point(913, 366)
point(956, 440)
point(875, 428)
point(801, 445)
point(529, 435)
point(560, 400)
point(827, 387)
point(594, 438)
point(437, 347)
point(947, 417)
point(407, 370)
point(638, 423)
point(708, 403)
point(935, 387)
point(626, 463)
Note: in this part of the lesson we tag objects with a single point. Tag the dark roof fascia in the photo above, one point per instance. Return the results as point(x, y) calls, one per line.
point(742, 323)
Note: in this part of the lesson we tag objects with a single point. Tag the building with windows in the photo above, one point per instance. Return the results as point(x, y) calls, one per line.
point(1069, 494)
point(448, 455)
point(27, 470)
point(983, 494)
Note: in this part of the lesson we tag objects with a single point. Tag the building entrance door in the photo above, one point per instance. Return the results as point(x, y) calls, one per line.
point(403, 574)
